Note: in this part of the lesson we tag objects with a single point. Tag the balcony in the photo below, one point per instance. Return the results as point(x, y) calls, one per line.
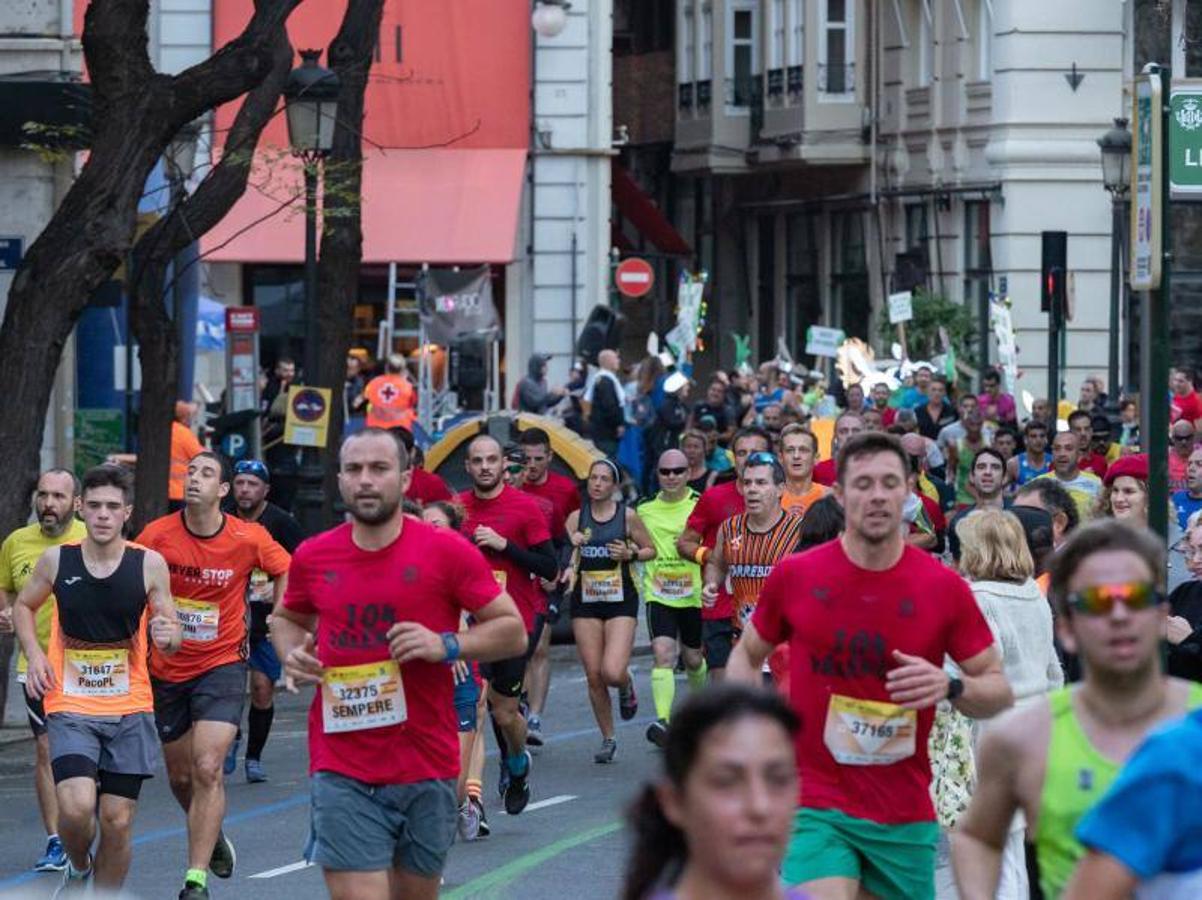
point(836, 79)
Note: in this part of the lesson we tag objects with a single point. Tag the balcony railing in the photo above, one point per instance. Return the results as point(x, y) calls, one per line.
point(840, 79)
point(776, 82)
point(795, 80)
point(705, 91)
point(684, 96)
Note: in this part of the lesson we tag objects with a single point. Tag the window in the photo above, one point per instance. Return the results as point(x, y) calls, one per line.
point(916, 225)
point(705, 67)
point(978, 262)
point(797, 32)
point(985, 40)
point(686, 60)
point(849, 278)
point(742, 57)
point(836, 48)
point(803, 299)
point(925, 59)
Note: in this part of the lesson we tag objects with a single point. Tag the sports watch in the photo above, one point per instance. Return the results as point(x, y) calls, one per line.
point(450, 643)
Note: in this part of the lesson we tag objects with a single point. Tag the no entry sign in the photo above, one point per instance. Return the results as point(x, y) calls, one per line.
point(634, 277)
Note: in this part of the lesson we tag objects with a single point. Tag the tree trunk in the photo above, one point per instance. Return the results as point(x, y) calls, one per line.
point(136, 111)
point(350, 56)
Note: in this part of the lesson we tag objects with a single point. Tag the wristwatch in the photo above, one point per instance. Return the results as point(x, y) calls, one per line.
point(955, 687)
point(450, 643)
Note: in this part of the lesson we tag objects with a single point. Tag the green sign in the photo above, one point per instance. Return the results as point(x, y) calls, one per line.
point(98, 432)
point(1185, 140)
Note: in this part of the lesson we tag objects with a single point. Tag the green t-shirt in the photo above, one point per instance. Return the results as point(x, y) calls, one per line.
point(18, 555)
point(668, 579)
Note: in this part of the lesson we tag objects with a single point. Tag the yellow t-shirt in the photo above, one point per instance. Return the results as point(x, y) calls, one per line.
point(18, 555)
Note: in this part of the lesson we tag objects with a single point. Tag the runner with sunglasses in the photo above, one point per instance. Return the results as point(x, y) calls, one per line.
point(252, 481)
point(671, 590)
point(1053, 761)
point(608, 536)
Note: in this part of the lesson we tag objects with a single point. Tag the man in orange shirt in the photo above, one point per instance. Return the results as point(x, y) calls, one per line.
point(199, 692)
point(798, 450)
point(184, 446)
point(92, 678)
point(391, 397)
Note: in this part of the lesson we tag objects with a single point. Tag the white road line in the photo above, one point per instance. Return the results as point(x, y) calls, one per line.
point(283, 870)
point(550, 801)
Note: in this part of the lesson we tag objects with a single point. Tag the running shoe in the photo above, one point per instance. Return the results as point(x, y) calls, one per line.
point(223, 860)
point(75, 882)
point(55, 857)
point(628, 700)
point(657, 733)
point(517, 793)
point(485, 828)
point(534, 732)
point(606, 754)
point(469, 821)
point(194, 892)
point(231, 758)
point(254, 772)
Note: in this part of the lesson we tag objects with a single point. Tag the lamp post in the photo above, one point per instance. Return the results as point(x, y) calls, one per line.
point(180, 159)
point(550, 17)
point(311, 100)
point(1116, 178)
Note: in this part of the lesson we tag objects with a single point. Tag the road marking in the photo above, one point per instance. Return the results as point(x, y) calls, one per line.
point(509, 872)
point(283, 870)
point(550, 801)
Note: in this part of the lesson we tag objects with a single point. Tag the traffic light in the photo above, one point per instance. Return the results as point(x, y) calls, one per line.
point(1053, 284)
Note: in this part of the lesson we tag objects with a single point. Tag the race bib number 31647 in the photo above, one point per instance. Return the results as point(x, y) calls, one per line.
point(354, 698)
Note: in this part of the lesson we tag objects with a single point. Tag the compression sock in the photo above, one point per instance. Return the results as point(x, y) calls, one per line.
point(517, 764)
point(198, 877)
point(474, 788)
point(499, 735)
point(698, 676)
point(259, 721)
point(663, 691)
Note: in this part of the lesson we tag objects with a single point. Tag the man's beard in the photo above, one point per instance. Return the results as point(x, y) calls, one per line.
point(381, 514)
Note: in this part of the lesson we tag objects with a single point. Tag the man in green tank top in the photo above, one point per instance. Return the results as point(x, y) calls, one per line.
point(1054, 759)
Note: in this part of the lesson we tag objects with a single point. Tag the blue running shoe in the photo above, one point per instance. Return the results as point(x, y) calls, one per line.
point(231, 758)
point(55, 857)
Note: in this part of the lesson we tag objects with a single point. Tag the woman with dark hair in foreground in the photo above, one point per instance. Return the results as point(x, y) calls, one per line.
point(717, 823)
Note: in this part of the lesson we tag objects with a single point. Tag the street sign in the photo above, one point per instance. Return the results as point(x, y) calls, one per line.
point(823, 341)
point(307, 422)
point(11, 251)
point(1147, 175)
point(901, 307)
point(242, 318)
point(634, 277)
point(1185, 140)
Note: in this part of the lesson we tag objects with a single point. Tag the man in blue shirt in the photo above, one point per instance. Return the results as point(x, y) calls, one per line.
point(1188, 501)
point(1146, 832)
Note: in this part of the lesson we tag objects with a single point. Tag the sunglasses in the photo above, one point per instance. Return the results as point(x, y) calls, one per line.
point(1100, 599)
point(677, 471)
point(761, 458)
point(1183, 437)
point(515, 468)
point(251, 467)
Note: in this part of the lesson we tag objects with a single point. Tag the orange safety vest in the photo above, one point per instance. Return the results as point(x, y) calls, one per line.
point(184, 446)
point(392, 400)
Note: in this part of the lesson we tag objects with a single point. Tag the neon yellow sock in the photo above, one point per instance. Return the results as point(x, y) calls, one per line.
point(697, 676)
point(663, 691)
point(198, 877)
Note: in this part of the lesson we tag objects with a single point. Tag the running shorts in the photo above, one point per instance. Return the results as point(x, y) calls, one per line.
point(467, 699)
point(121, 751)
point(718, 636)
point(892, 862)
point(369, 828)
point(675, 622)
point(216, 696)
point(263, 659)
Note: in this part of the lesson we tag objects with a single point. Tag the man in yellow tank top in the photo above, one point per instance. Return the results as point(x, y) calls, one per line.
point(1054, 760)
point(111, 597)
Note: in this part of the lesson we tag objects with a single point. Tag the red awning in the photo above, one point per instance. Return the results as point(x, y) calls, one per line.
point(435, 206)
point(635, 206)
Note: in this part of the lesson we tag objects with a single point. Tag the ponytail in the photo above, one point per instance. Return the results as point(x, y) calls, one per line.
point(659, 846)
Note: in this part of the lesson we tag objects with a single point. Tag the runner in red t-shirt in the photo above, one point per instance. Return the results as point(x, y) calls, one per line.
point(564, 495)
point(512, 532)
point(869, 621)
point(714, 507)
point(1184, 400)
point(371, 615)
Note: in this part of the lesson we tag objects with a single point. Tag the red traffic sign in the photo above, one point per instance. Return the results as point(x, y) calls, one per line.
point(242, 318)
point(634, 277)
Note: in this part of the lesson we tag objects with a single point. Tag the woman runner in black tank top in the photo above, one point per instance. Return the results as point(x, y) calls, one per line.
point(608, 536)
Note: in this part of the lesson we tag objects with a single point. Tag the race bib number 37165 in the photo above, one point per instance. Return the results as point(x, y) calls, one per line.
point(869, 732)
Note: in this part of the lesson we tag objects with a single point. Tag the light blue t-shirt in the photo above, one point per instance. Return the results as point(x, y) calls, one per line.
point(1151, 818)
point(1186, 506)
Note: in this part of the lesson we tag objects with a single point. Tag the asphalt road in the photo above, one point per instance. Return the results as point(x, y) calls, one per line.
point(572, 833)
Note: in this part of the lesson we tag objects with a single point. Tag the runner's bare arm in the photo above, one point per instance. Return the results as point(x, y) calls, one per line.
point(1012, 470)
point(688, 544)
point(40, 676)
point(498, 634)
point(165, 628)
point(746, 662)
point(715, 570)
point(979, 838)
point(917, 683)
point(292, 637)
point(1100, 876)
point(7, 601)
point(277, 591)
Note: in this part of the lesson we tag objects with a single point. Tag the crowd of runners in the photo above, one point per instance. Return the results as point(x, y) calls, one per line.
point(877, 587)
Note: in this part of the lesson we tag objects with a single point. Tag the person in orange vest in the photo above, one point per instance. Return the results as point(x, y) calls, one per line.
point(184, 446)
point(391, 397)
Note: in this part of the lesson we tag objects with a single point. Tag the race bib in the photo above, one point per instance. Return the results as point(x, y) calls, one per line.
point(501, 576)
point(198, 619)
point(96, 673)
point(674, 585)
point(261, 588)
point(601, 587)
point(868, 732)
point(355, 698)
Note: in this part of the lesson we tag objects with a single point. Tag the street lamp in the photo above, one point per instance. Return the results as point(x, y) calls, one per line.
point(550, 17)
point(311, 101)
point(1115, 145)
point(180, 160)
